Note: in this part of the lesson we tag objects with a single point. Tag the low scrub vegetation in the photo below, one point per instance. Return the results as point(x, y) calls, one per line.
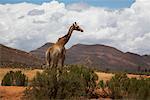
point(14, 79)
point(74, 82)
point(78, 82)
point(122, 87)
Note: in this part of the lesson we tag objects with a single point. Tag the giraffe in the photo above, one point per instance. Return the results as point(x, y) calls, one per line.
point(57, 52)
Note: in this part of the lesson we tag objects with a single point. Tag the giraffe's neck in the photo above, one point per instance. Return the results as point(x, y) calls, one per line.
point(63, 40)
point(69, 34)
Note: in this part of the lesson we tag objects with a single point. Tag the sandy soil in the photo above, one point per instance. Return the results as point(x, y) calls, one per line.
point(11, 92)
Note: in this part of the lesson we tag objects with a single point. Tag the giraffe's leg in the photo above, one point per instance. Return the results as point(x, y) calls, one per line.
point(48, 59)
point(52, 63)
point(62, 60)
point(56, 67)
point(63, 57)
point(55, 62)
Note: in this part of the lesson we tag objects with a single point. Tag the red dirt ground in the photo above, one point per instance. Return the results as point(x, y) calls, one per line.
point(11, 92)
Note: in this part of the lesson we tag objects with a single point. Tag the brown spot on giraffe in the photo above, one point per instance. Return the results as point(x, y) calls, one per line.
point(57, 52)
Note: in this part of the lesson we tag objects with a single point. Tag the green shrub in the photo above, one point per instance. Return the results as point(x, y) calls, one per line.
point(14, 79)
point(118, 85)
point(139, 89)
point(123, 87)
point(89, 79)
point(74, 82)
point(101, 84)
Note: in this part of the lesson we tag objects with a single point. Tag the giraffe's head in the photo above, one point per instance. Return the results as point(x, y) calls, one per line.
point(76, 27)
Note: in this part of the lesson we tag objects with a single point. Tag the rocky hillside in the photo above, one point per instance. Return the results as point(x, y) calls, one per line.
point(10, 57)
point(101, 56)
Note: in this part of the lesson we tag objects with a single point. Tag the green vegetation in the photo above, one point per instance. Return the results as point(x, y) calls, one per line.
point(103, 86)
point(122, 87)
point(78, 82)
point(118, 85)
point(14, 79)
point(139, 89)
point(74, 82)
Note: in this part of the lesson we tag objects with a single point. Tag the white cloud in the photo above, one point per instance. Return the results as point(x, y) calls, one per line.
point(78, 6)
point(27, 26)
point(35, 12)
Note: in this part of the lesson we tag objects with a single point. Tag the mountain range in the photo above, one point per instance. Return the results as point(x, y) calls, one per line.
point(10, 57)
point(96, 56)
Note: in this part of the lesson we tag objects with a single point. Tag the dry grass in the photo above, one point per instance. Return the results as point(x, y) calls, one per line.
point(104, 76)
point(107, 76)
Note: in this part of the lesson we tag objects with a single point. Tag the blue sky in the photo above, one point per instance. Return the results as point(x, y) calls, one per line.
point(102, 3)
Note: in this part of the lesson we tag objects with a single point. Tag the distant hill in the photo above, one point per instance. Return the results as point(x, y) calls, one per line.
point(101, 57)
point(95, 56)
point(10, 57)
point(40, 52)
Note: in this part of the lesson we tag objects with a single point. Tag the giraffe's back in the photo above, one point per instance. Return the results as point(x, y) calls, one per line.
point(55, 50)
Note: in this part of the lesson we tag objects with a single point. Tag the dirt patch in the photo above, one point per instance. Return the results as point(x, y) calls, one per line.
point(11, 92)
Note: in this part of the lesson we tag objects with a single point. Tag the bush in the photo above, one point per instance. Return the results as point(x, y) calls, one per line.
point(101, 84)
point(73, 83)
point(118, 85)
point(123, 87)
point(14, 79)
point(139, 89)
point(89, 79)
